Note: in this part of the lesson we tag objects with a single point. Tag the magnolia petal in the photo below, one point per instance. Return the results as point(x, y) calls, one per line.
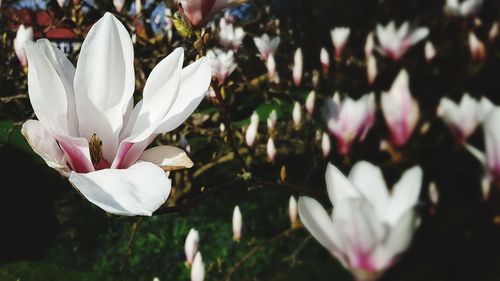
point(397, 241)
point(405, 194)
point(66, 72)
point(418, 34)
point(360, 231)
point(160, 92)
point(44, 144)
point(77, 153)
point(169, 158)
point(492, 142)
point(369, 181)
point(195, 79)
point(139, 190)
point(320, 225)
point(338, 186)
point(46, 90)
point(104, 82)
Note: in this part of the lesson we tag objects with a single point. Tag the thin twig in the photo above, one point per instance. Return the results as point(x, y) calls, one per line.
point(227, 122)
point(128, 253)
point(255, 250)
point(11, 98)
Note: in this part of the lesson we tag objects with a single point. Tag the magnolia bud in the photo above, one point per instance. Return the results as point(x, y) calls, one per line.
point(369, 45)
point(222, 127)
point(191, 245)
point(310, 100)
point(271, 150)
point(433, 193)
point(271, 67)
point(325, 145)
point(237, 224)
point(292, 210)
point(325, 60)
point(298, 64)
point(297, 115)
point(371, 69)
point(251, 132)
point(477, 49)
point(271, 120)
point(430, 51)
point(198, 269)
point(493, 34)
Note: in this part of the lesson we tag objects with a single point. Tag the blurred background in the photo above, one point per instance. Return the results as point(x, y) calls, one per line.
point(49, 232)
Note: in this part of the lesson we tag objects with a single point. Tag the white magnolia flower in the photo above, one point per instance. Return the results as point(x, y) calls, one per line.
point(349, 119)
point(191, 245)
point(199, 12)
point(292, 210)
point(298, 66)
point(252, 129)
point(310, 101)
point(325, 60)
point(272, 119)
point(22, 36)
point(222, 64)
point(430, 51)
point(371, 69)
point(237, 224)
point(118, 5)
point(230, 37)
point(477, 49)
point(296, 115)
point(325, 145)
point(394, 43)
point(198, 268)
point(463, 118)
point(369, 227)
point(462, 8)
point(270, 149)
point(88, 128)
point(400, 109)
point(266, 45)
point(339, 37)
point(61, 3)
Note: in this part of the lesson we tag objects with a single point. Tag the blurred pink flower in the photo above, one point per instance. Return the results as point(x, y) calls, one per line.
point(463, 118)
point(325, 145)
point(339, 37)
point(266, 45)
point(230, 37)
point(369, 227)
point(400, 109)
point(394, 43)
point(350, 119)
point(251, 132)
point(222, 64)
point(199, 12)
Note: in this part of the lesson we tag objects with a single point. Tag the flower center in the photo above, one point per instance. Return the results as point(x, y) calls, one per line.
point(96, 156)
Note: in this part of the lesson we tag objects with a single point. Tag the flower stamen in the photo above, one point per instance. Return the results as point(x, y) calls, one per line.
point(96, 156)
